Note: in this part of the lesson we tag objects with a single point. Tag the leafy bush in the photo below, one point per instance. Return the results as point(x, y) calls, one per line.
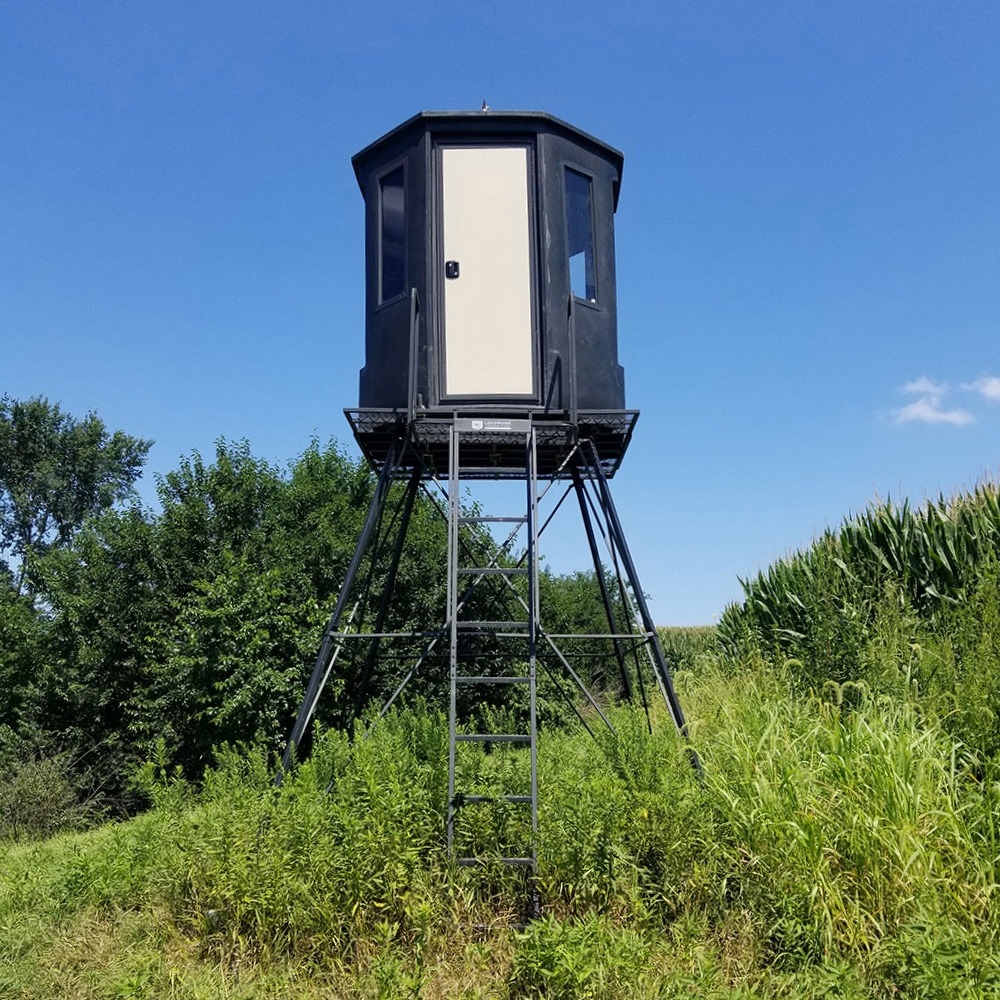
point(574, 960)
point(39, 797)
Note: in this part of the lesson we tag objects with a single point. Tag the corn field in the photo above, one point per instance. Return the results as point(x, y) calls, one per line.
point(902, 599)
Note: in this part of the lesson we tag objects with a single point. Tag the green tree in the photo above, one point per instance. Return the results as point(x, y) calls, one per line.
point(22, 638)
point(200, 624)
point(55, 471)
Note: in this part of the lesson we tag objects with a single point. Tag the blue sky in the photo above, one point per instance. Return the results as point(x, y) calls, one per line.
point(808, 236)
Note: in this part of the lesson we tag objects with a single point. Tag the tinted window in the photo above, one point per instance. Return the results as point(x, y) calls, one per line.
point(580, 235)
point(392, 234)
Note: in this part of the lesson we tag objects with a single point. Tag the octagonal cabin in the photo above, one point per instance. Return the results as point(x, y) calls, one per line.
point(490, 265)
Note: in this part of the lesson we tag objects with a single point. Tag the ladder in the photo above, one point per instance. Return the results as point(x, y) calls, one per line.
point(468, 567)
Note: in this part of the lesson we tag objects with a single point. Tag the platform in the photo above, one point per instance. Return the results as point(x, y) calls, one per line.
point(493, 441)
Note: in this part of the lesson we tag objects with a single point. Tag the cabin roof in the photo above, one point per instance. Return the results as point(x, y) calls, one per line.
point(486, 122)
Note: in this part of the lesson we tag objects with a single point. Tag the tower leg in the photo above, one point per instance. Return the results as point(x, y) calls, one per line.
point(620, 543)
point(599, 573)
point(390, 583)
point(329, 646)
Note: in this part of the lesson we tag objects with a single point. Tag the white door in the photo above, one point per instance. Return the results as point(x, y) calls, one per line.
point(487, 264)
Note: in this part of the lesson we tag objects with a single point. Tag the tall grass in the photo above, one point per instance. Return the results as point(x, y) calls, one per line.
point(839, 845)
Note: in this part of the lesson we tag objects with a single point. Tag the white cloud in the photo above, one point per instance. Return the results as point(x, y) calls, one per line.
point(923, 386)
point(988, 387)
point(929, 405)
point(927, 410)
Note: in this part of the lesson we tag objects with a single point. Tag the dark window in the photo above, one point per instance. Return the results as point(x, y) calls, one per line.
point(392, 234)
point(580, 235)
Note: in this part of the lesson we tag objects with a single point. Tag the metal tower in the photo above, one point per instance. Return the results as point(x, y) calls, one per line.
point(494, 632)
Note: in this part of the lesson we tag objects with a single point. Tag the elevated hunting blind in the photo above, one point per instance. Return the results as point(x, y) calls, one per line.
point(490, 279)
point(491, 352)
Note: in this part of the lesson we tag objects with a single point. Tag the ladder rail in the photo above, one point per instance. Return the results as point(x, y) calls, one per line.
point(533, 629)
point(453, 516)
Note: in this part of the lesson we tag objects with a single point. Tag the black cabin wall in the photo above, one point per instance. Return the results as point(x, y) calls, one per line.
point(384, 380)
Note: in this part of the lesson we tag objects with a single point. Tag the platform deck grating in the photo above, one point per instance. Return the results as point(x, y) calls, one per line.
point(497, 450)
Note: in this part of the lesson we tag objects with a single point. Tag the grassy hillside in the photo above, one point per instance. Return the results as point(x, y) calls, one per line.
point(837, 847)
point(843, 842)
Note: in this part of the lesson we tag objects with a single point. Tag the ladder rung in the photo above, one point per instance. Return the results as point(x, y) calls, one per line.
point(493, 633)
point(472, 655)
point(487, 679)
point(493, 520)
point(492, 738)
point(493, 571)
point(470, 624)
point(524, 799)
point(520, 862)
